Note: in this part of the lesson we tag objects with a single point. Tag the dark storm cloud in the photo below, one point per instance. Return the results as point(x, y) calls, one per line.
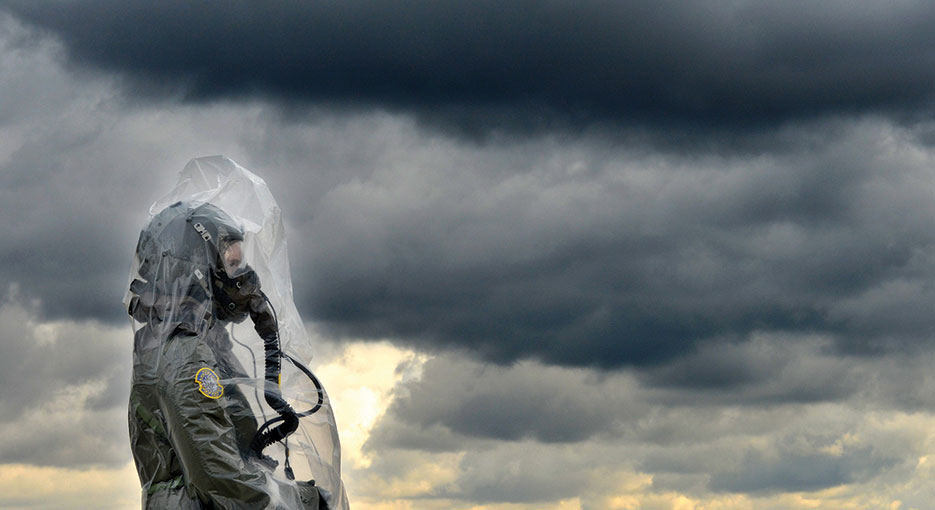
point(527, 401)
point(765, 369)
point(747, 288)
point(457, 402)
point(64, 390)
point(808, 450)
point(596, 256)
point(526, 477)
point(802, 472)
point(77, 174)
point(64, 237)
point(524, 64)
point(732, 440)
point(570, 250)
point(36, 364)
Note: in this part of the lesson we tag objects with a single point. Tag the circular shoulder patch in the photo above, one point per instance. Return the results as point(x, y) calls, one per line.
point(209, 384)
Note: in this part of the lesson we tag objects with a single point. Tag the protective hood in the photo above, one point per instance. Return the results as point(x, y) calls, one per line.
point(212, 253)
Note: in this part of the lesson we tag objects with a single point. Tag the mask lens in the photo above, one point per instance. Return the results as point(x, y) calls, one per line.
point(233, 259)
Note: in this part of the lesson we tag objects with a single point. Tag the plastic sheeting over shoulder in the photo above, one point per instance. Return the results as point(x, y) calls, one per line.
point(215, 397)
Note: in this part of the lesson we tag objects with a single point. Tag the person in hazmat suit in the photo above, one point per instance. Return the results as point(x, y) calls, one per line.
point(198, 440)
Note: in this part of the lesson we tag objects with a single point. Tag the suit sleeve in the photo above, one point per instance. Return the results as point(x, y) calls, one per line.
point(204, 437)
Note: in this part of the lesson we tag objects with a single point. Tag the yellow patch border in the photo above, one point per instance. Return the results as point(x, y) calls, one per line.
point(201, 387)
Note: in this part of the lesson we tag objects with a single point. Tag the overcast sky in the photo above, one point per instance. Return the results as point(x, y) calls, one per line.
point(552, 254)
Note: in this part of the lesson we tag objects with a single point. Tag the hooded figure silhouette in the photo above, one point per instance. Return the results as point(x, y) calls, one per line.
point(198, 439)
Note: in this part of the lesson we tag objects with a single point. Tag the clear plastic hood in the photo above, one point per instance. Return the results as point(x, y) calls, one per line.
point(210, 296)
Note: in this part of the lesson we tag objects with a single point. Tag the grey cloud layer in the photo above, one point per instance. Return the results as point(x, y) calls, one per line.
point(64, 390)
point(571, 250)
point(528, 401)
point(78, 171)
point(593, 255)
point(753, 315)
point(457, 400)
point(729, 441)
point(524, 64)
point(807, 471)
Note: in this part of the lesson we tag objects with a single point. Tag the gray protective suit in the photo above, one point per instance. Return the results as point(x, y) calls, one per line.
point(190, 449)
point(193, 431)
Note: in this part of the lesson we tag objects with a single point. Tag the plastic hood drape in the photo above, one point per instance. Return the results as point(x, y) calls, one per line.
point(197, 393)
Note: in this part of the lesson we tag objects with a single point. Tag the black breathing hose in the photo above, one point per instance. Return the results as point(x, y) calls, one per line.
point(287, 415)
